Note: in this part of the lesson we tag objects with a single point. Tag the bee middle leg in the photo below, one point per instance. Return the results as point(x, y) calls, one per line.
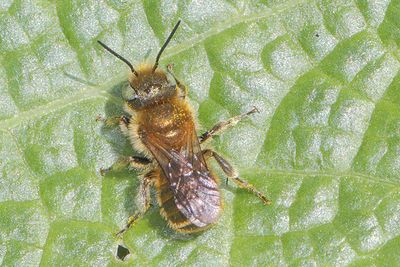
point(233, 175)
point(135, 162)
point(145, 184)
point(223, 125)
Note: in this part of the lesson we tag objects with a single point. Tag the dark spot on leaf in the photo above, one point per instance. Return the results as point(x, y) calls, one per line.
point(317, 34)
point(122, 253)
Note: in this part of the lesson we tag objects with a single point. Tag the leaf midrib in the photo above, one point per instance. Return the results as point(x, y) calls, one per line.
point(92, 92)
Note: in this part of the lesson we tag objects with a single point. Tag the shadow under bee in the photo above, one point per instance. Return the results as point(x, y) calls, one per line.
point(120, 148)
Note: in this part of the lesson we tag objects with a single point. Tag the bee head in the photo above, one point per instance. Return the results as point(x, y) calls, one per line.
point(149, 87)
point(149, 83)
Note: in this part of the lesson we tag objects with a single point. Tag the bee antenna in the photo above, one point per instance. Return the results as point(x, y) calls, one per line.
point(165, 44)
point(118, 56)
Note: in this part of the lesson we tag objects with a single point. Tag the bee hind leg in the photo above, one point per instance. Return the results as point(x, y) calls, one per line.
point(233, 175)
point(134, 162)
point(145, 184)
point(223, 125)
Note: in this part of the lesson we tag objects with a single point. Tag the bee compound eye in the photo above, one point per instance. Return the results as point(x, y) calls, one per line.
point(135, 102)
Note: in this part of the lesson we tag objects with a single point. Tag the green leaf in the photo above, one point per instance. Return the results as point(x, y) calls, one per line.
point(325, 147)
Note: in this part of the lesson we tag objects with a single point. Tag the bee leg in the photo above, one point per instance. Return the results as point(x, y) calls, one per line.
point(223, 125)
point(233, 175)
point(178, 83)
point(135, 162)
point(145, 184)
point(122, 121)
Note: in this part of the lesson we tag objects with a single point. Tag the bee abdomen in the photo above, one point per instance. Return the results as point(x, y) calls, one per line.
point(169, 210)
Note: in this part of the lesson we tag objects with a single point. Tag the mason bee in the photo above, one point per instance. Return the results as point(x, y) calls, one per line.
point(161, 126)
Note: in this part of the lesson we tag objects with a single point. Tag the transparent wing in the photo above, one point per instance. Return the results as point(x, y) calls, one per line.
point(195, 191)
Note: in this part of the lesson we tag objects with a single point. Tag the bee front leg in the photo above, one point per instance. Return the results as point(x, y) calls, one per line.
point(145, 184)
point(223, 125)
point(233, 175)
point(135, 162)
point(123, 122)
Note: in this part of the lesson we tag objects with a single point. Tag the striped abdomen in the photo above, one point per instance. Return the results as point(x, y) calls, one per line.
point(169, 210)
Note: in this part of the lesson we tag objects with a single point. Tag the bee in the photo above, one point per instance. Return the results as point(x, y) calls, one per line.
point(161, 126)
